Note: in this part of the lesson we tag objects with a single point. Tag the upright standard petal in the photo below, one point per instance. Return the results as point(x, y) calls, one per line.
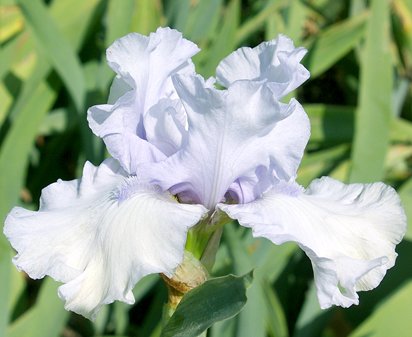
point(286, 142)
point(230, 133)
point(144, 66)
point(100, 235)
point(276, 63)
point(349, 232)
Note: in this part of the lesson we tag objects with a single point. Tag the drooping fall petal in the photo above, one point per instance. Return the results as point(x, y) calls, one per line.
point(349, 232)
point(100, 235)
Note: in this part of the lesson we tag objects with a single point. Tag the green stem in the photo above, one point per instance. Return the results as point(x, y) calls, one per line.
point(209, 254)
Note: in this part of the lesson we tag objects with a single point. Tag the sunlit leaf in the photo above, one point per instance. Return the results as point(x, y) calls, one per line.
point(45, 319)
point(405, 193)
point(55, 47)
point(333, 43)
point(375, 101)
point(391, 318)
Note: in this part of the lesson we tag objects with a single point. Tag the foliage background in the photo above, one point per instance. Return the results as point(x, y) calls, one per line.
point(359, 100)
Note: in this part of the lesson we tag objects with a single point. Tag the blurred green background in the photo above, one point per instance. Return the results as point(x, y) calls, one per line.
point(359, 100)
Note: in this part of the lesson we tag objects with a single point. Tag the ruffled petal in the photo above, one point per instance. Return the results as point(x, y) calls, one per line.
point(348, 231)
point(166, 126)
point(286, 142)
point(146, 63)
point(123, 133)
point(275, 62)
point(231, 133)
point(100, 235)
point(144, 66)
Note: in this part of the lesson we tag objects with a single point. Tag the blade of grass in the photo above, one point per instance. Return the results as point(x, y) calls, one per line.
point(329, 123)
point(11, 22)
point(147, 16)
point(333, 43)
point(225, 40)
point(16, 146)
point(251, 320)
point(256, 22)
point(405, 192)
point(56, 48)
point(5, 272)
point(203, 20)
point(391, 318)
point(321, 163)
point(375, 102)
point(119, 19)
point(312, 320)
point(45, 319)
point(177, 13)
point(276, 317)
point(296, 20)
point(334, 124)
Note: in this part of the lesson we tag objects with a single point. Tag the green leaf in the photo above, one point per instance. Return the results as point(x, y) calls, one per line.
point(119, 19)
point(391, 318)
point(45, 319)
point(11, 22)
point(251, 321)
point(5, 272)
point(177, 13)
point(312, 320)
point(147, 16)
point(330, 123)
point(35, 100)
point(18, 142)
point(405, 192)
point(321, 163)
point(10, 52)
point(375, 102)
point(203, 19)
point(277, 321)
point(257, 21)
point(215, 300)
point(224, 42)
point(296, 20)
point(333, 43)
point(401, 130)
point(276, 260)
point(74, 18)
point(56, 48)
point(334, 124)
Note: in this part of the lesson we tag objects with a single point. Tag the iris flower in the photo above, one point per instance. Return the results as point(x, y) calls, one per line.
point(184, 151)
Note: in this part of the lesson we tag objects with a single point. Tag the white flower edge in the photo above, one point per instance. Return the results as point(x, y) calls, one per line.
point(349, 232)
point(275, 63)
point(144, 66)
point(100, 235)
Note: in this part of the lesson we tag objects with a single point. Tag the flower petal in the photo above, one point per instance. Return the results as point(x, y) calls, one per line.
point(165, 124)
point(275, 62)
point(287, 142)
point(123, 133)
point(100, 235)
point(348, 231)
point(231, 133)
point(144, 66)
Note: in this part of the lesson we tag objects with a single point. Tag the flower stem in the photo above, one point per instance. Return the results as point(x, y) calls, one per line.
point(188, 275)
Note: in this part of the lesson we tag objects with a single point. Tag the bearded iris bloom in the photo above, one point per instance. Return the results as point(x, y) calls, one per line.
point(184, 153)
